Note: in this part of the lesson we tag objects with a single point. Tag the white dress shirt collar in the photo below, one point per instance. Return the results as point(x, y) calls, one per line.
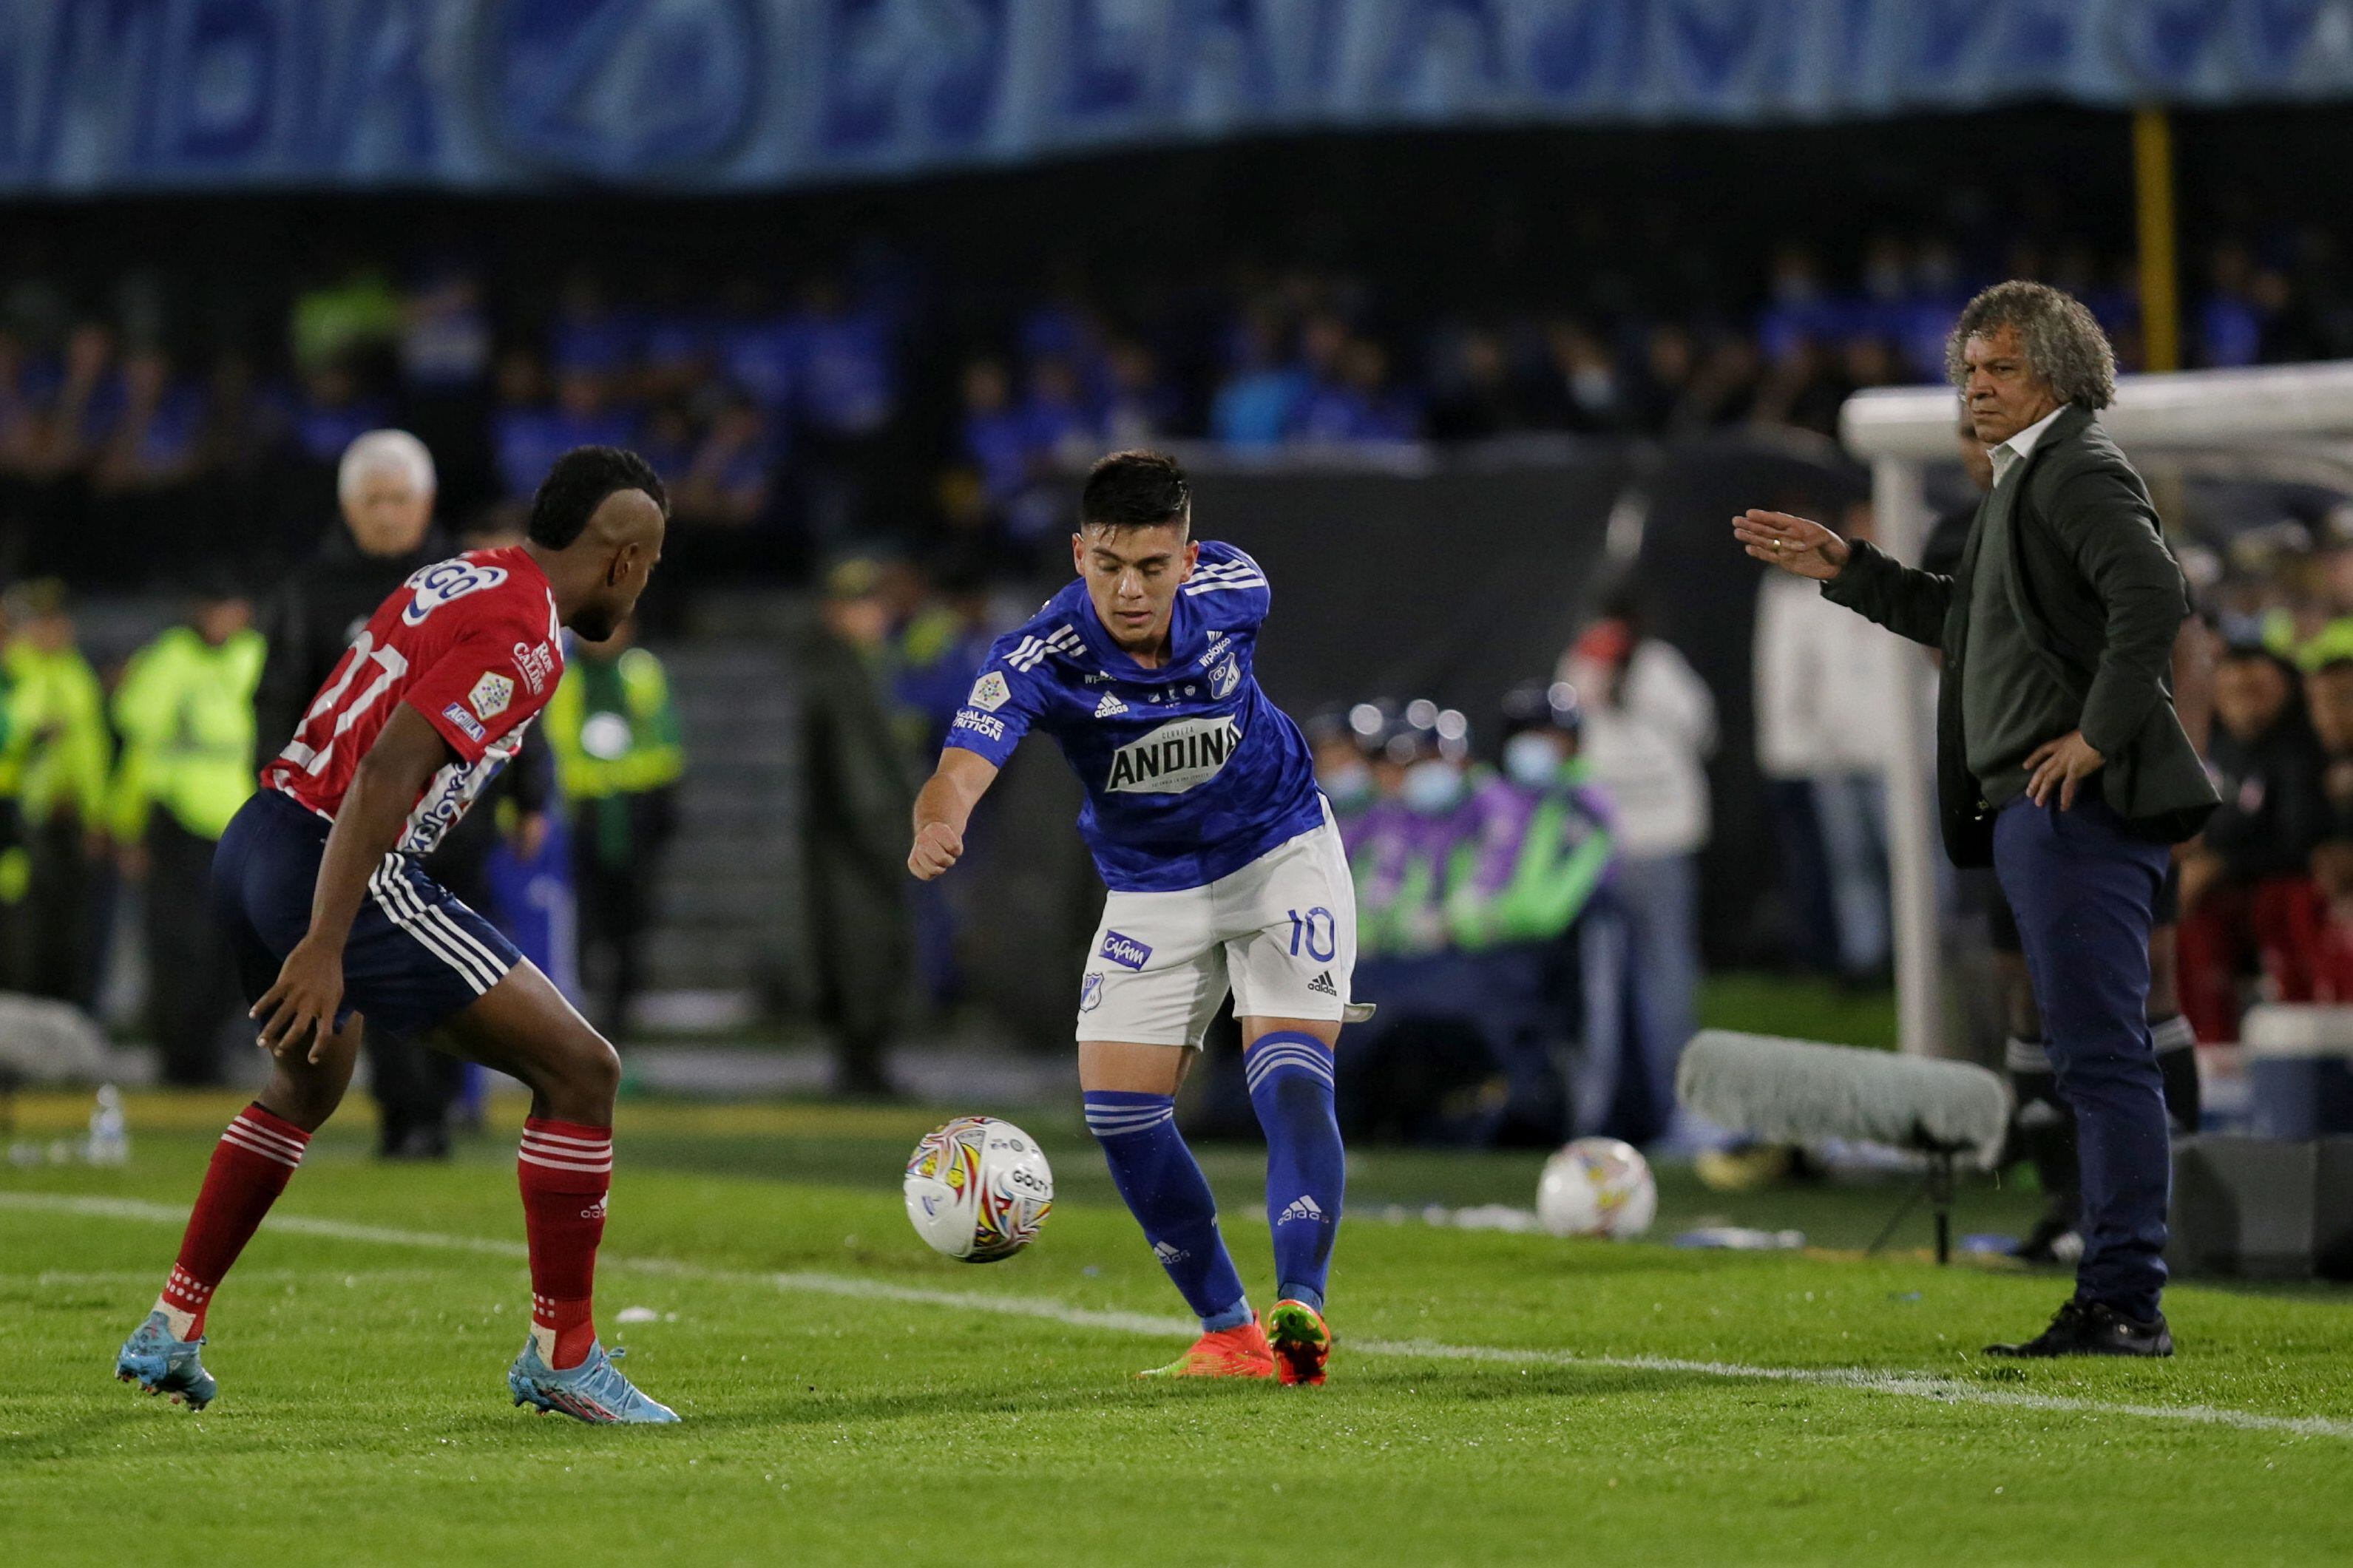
point(2014, 451)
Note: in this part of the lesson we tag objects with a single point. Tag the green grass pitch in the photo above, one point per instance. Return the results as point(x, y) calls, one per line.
point(850, 1398)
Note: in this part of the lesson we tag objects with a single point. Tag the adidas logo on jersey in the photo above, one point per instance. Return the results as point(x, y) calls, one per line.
point(1110, 706)
point(1167, 1253)
point(1301, 1207)
point(1322, 984)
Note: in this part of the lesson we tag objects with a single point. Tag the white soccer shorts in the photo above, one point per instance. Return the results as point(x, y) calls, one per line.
point(1282, 932)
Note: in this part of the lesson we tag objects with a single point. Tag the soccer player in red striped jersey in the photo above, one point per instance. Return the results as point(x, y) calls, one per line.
point(333, 920)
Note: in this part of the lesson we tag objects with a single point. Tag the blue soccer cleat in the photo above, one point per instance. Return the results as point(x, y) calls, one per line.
point(594, 1392)
point(159, 1363)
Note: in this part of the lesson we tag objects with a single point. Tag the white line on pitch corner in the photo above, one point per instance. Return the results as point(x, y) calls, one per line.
point(1913, 1386)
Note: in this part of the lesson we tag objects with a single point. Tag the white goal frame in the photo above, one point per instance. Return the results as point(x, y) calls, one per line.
point(1899, 431)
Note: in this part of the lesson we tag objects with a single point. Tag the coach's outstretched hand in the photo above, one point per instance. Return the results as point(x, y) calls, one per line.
point(1797, 546)
point(299, 1010)
point(937, 848)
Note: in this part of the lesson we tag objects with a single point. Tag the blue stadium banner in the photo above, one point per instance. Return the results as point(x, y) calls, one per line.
point(122, 94)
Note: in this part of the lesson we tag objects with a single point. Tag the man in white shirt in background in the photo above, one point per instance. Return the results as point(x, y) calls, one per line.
point(1821, 672)
point(1650, 728)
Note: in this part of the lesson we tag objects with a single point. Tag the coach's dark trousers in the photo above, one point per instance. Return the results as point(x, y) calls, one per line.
point(2081, 886)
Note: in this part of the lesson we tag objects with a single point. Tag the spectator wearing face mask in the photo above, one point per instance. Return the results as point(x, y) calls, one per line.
point(1408, 836)
point(1340, 739)
point(1544, 845)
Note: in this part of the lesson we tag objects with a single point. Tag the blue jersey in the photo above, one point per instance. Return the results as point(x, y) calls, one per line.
point(1190, 773)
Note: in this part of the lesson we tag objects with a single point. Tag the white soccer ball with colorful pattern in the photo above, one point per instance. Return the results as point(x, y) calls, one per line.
point(978, 1189)
point(1597, 1187)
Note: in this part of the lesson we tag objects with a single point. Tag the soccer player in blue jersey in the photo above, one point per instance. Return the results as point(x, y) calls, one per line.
point(1224, 871)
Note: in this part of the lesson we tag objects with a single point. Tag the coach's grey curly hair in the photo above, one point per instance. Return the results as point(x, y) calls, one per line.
point(2063, 342)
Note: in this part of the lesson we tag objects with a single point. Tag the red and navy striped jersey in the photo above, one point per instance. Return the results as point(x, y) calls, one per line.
point(471, 643)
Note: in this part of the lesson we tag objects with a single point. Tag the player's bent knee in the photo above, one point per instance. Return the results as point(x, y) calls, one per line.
point(587, 1079)
point(305, 1104)
point(305, 1092)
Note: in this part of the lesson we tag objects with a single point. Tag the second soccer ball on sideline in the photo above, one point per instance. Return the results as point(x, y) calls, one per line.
point(1597, 1187)
point(978, 1189)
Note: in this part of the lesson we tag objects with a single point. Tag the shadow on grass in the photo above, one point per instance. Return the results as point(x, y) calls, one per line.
point(802, 1411)
point(74, 1438)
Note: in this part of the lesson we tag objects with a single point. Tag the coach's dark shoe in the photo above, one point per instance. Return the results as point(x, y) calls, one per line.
point(2093, 1328)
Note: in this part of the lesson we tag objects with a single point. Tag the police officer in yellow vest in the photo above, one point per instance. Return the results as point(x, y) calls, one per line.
point(614, 734)
point(57, 752)
point(185, 711)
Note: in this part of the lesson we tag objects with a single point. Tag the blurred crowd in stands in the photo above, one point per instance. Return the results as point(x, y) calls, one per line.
point(883, 399)
point(900, 438)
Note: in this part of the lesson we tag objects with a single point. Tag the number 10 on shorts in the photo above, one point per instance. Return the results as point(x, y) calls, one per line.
point(1317, 932)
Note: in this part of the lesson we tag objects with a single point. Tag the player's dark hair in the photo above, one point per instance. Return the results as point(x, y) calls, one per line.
point(577, 484)
point(1135, 489)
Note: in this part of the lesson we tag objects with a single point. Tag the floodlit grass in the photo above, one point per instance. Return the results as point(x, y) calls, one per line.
point(866, 1405)
point(1803, 1007)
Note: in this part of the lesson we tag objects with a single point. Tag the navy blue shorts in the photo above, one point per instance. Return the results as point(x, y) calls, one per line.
point(415, 954)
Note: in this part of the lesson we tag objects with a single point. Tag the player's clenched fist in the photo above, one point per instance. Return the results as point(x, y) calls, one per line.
point(937, 848)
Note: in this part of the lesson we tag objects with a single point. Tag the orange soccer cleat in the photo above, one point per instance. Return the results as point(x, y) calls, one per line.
point(1301, 1340)
point(1228, 1353)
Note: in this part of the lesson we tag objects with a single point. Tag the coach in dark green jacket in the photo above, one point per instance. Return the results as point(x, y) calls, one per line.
point(2059, 760)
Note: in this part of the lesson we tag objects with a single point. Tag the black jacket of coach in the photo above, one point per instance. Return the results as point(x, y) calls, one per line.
point(2101, 599)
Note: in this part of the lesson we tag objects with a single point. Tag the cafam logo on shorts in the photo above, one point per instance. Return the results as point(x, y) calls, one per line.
point(1175, 757)
point(1125, 950)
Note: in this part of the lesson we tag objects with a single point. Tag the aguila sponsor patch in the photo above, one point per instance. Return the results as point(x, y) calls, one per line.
point(464, 721)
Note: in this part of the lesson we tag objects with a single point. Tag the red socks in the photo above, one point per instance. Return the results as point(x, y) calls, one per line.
point(564, 1169)
point(254, 1161)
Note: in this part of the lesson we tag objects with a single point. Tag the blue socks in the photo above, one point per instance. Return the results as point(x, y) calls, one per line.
point(1170, 1199)
point(1306, 1172)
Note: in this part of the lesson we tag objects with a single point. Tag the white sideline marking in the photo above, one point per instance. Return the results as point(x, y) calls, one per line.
point(1914, 1385)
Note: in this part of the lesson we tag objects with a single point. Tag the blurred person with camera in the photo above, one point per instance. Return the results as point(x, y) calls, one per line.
point(1648, 731)
point(185, 712)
